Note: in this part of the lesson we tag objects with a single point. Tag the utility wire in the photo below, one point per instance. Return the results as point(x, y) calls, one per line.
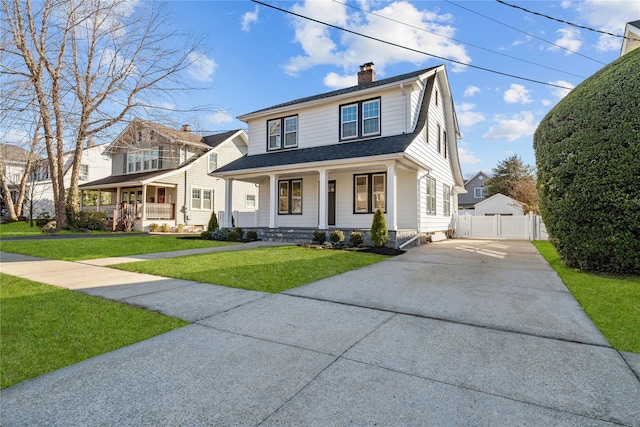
point(563, 21)
point(524, 32)
point(410, 49)
point(457, 41)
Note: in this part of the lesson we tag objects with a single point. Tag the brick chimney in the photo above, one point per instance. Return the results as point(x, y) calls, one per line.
point(90, 143)
point(186, 128)
point(366, 74)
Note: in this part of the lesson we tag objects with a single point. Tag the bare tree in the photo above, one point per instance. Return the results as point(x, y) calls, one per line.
point(90, 64)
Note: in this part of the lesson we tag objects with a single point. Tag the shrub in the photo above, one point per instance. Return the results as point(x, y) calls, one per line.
point(379, 232)
point(336, 236)
point(219, 234)
point(153, 227)
point(239, 231)
point(165, 228)
point(43, 218)
point(179, 228)
point(356, 238)
point(233, 236)
point(206, 235)
point(213, 222)
point(319, 237)
point(252, 236)
point(588, 157)
point(87, 221)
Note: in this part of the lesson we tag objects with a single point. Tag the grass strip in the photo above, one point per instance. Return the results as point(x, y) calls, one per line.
point(613, 303)
point(273, 269)
point(104, 247)
point(46, 328)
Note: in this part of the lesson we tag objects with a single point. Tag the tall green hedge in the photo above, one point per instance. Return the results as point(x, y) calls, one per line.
point(588, 160)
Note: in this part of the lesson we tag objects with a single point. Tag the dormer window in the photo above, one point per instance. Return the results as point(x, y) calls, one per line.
point(360, 119)
point(282, 133)
point(142, 160)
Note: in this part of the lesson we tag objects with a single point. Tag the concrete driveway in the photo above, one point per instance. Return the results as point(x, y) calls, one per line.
point(459, 332)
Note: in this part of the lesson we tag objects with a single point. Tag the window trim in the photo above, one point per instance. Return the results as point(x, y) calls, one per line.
point(83, 173)
point(247, 197)
point(439, 146)
point(137, 158)
point(360, 119)
point(282, 134)
point(209, 162)
point(289, 196)
point(446, 200)
point(370, 192)
point(482, 192)
point(201, 199)
point(430, 199)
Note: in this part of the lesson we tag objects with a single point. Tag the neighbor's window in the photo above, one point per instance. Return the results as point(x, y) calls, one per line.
point(360, 119)
point(431, 195)
point(84, 172)
point(207, 199)
point(213, 162)
point(275, 133)
point(250, 201)
point(446, 200)
point(142, 160)
point(196, 198)
point(369, 192)
point(289, 197)
point(479, 192)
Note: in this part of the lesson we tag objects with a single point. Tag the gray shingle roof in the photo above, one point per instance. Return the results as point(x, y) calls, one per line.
point(357, 149)
point(216, 139)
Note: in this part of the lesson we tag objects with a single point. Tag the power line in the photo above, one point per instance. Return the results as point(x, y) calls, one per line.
point(563, 21)
point(524, 32)
point(410, 49)
point(458, 41)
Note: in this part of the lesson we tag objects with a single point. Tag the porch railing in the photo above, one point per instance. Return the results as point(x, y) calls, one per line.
point(160, 210)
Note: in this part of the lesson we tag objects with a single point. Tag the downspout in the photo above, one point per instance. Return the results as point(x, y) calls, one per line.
point(184, 205)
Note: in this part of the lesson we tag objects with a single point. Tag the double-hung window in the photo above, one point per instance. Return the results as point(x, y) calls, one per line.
point(369, 192)
point(479, 192)
point(201, 199)
point(446, 200)
point(439, 138)
point(196, 198)
point(431, 195)
point(290, 197)
point(213, 162)
point(84, 172)
point(142, 160)
point(360, 119)
point(282, 133)
point(207, 199)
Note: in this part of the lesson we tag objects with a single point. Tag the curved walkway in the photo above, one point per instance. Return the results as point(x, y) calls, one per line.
point(459, 332)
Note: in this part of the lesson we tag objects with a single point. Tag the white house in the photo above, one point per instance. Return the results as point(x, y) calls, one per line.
point(161, 175)
point(499, 204)
point(329, 161)
point(476, 192)
point(631, 39)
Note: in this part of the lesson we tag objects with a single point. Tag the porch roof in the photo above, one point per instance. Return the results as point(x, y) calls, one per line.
point(395, 144)
point(131, 179)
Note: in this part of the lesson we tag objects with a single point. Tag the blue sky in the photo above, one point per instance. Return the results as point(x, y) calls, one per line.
point(252, 56)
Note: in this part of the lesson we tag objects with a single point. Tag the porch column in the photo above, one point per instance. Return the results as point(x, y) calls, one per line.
point(228, 202)
point(144, 202)
point(392, 205)
point(273, 201)
point(322, 213)
point(98, 201)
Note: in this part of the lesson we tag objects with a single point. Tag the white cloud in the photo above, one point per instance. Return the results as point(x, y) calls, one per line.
point(512, 128)
point(219, 117)
point(561, 93)
point(471, 90)
point(517, 94)
point(323, 46)
point(546, 102)
point(336, 81)
point(249, 18)
point(201, 68)
point(607, 15)
point(570, 40)
point(465, 155)
point(466, 115)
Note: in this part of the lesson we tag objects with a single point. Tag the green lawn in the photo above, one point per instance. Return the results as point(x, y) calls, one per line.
point(46, 328)
point(104, 247)
point(613, 303)
point(273, 269)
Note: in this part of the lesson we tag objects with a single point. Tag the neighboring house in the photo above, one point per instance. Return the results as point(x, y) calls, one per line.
point(95, 164)
point(14, 161)
point(330, 161)
point(161, 175)
point(632, 37)
point(499, 204)
point(476, 192)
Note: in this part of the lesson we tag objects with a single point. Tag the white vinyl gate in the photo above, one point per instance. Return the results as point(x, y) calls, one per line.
point(527, 227)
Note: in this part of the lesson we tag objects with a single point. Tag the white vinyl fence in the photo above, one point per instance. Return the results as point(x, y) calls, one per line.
point(527, 227)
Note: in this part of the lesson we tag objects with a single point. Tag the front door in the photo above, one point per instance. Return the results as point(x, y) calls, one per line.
point(331, 205)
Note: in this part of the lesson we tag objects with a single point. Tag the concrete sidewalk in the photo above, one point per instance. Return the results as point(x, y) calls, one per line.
point(455, 333)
